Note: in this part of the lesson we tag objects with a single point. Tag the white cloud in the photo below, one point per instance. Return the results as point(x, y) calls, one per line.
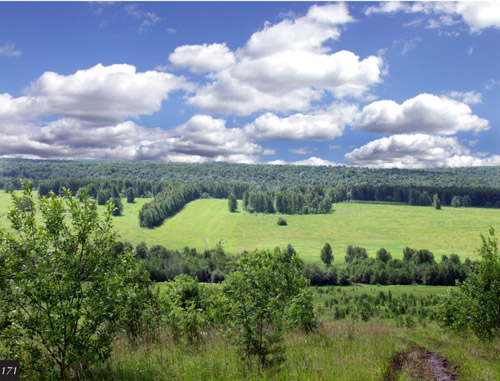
point(417, 151)
point(425, 113)
point(321, 125)
point(200, 139)
point(107, 93)
point(283, 67)
point(387, 7)
point(315, 161)
point(146, 19)
point(203, 58)
point(300, 151)
point(478, 15)
point(492, 83)
point(312, 161)
point(9, 50)
point(469, 97)
point(206, 136)
point(303, 33)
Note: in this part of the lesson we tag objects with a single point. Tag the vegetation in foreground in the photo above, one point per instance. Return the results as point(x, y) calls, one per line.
point(260, 323)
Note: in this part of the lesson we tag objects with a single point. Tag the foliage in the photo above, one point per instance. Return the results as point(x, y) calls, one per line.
point(164, 264)
point(436, 203)
point(266, 174)
point(185, 309)
point(417, 266)
point(64, 290)
point(130, 195)
point(476, 303)
point(117, 206)
point(326, 255)
point(261, 291)
point(232, 203)
point(282, 221)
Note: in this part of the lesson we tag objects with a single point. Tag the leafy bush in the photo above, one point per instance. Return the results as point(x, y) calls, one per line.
point(476, 303)
point(261, 291)
point(185, 309)
point(282, 221)
point(63, 288)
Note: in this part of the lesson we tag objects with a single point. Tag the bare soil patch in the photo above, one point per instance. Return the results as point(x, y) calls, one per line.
point(421, 364)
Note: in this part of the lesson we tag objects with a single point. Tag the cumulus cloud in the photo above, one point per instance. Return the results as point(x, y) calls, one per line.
point(91, 108)
point(109, 93)
point(315, 161)
point(9, 50)
point(206, 136)
point(303, 33)
point(425, 113)
point(417, 151)
point(201, 139)
point(202, 58)
point(478, 15)
point(319, 126)
point(283, 67)
point(312, 161)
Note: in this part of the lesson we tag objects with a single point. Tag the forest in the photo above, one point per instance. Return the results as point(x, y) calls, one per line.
point(272, 176)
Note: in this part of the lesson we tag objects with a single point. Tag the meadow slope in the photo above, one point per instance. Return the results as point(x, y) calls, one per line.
point(446, 231)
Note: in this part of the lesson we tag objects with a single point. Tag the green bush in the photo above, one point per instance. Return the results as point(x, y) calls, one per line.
point(265, 289)
point(63, 288)
point(282, 221)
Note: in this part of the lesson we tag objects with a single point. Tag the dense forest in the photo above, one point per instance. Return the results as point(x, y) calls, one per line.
point(262, 188)
point(273, 176)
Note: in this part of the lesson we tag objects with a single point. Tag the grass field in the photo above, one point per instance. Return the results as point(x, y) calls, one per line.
point(445, 231)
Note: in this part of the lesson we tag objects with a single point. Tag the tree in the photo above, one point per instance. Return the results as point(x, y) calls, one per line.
point(62, 289)
point(232, 203)
point(266, 292)
point(103, 195)
point(475, 304)
point(466, 201)
point(282, 221)
point(117, 206)
point(455, 202)
point(383, 255)
point(130, 195)
point(436, 203)
point(326, 255)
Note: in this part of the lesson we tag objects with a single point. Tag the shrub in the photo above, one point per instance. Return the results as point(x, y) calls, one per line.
point(475, 304)
point(261, 290)
point(282, 221)
point(63, 288)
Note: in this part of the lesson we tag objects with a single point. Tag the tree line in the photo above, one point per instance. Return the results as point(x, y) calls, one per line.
point(273, 176)
point(305, 200)
point(175, 196)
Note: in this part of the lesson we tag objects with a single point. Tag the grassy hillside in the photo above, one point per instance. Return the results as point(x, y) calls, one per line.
point(450, 230)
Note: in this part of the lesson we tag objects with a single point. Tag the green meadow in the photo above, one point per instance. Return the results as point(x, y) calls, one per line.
point(373, 226)
point(445, 231)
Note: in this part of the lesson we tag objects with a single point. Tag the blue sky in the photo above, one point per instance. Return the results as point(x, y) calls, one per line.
point(389, 84)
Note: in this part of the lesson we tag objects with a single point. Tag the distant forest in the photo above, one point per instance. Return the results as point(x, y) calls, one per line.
point(262, 188)
point(272, 176)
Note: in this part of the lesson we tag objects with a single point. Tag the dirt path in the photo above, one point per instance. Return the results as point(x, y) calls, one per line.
point(420, 364)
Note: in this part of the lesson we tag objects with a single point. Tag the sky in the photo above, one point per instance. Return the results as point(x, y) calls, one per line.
point(373, 84)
